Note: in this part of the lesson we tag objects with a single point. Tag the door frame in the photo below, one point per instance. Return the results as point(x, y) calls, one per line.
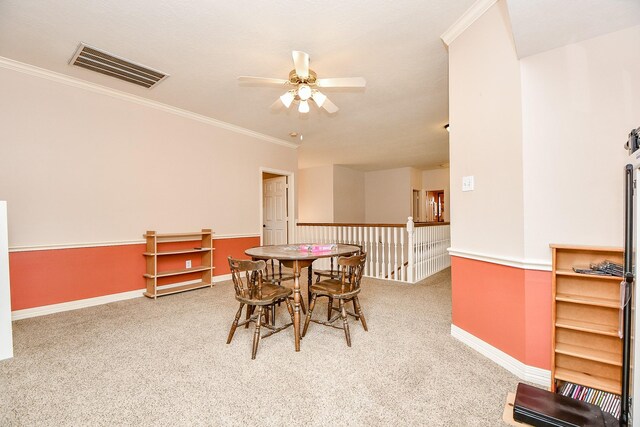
point(290, 201)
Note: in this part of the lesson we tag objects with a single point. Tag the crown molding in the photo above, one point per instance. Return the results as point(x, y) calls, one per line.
point(32, 70)
point(465, 21)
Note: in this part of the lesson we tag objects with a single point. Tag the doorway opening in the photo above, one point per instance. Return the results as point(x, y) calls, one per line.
point(276, 206)
point(435, 206)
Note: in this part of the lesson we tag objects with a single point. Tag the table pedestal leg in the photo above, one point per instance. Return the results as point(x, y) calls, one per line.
point(296, 303)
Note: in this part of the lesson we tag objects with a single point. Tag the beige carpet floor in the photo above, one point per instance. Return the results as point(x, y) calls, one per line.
point(143, 362)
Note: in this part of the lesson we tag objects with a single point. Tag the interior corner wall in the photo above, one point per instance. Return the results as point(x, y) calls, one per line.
point(579, 103)
point(388, 196)
point(348, 195)
point(438, 179)
point(315, 194)
point(81, 167)
point(492, 299)
point(486, 137)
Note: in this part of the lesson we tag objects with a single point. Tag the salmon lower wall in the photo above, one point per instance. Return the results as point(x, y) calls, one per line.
point(45, 277)
point(506, 307)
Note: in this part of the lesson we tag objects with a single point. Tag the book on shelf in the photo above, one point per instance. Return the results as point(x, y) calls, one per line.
point(608, 402)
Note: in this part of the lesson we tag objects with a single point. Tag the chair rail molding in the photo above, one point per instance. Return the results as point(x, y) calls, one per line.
point(526, 264)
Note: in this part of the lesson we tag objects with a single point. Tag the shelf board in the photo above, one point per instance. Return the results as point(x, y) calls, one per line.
point(588, 300)
point(176, 289)
point(604, 384)
point(589, 354)
point(587, 276)
point(168, 273)
point(177, 252)
point(580, 325)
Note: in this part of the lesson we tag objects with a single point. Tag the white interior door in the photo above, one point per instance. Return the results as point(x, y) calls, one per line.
point(274, 208)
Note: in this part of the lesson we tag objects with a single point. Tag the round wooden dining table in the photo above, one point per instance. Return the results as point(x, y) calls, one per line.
point(297, 257)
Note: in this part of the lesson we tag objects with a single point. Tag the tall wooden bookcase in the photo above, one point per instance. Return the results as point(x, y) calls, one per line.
point(166, 257)
point(586, 345)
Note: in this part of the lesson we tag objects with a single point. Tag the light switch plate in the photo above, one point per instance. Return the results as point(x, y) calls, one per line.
point(468, 183)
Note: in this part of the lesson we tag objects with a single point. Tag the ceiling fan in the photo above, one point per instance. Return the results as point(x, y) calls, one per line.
point(304, 84)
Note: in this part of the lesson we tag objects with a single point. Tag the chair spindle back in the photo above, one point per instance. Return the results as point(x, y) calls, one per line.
point(251, 285)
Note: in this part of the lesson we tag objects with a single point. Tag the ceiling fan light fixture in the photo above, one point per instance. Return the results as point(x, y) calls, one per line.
point(287, 98)
point(304, 92)
point(304, 107)
point(318, 98)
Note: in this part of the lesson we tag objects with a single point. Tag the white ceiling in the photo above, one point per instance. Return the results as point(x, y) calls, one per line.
point(540, 25)
point(397, 120)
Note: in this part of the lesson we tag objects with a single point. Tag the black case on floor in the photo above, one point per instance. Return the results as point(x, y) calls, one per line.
point(543, 408)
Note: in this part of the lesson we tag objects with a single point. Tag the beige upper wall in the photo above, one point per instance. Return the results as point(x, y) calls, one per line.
point(438, 179)
point(486, 138)
point(78, 166)
point(579, 104)
point(348, 195)
point(388, 195)
point(315, 194)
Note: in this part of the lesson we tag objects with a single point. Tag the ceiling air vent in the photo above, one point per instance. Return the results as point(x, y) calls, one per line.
point(106, 63)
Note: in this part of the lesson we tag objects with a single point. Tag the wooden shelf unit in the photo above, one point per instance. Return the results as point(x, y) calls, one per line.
point(164, 251)
point(586, 348)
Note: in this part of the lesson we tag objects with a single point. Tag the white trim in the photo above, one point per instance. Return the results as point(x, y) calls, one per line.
point(89, 302)
point(112, 243)
point(469, 17)
point(291, 195)
point(527, 264)
point(74, 305)
point(6, 330)
point(525, 372)
point(235, 236)
point(93, 87)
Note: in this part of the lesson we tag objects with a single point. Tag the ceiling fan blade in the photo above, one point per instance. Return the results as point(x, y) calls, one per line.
point(277, 105)
point(329, 106)
point(342, 82)
point(301, 63)
point(266, 80)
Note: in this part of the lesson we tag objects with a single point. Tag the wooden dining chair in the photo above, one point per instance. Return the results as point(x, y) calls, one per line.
point(276, 277)
point(332, 273)
point(344, 289)
point(255, 294)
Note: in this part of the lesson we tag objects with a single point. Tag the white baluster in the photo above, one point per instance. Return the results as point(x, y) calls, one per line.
point(411, 266)
point(403, 269)
point(396, 273)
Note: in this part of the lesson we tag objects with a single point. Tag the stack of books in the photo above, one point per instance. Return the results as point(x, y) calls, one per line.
point(605, 268)
point(608, 402)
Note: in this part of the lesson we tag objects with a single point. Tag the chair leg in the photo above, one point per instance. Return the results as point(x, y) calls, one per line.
point(267, 312)
point(273, 315)
point(234, 325)
point(290, 309)
point(343, 314)
point(256, 334)
point(356, 303)
point(312, 304)
point(250, 310)
point(302, 306)
point(330, 309)
point(355, 309)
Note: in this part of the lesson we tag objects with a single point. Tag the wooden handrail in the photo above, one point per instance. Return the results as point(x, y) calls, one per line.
point(348, 224)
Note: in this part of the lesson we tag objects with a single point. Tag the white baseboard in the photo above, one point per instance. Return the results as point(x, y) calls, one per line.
point(89, 302)
point(525, 372)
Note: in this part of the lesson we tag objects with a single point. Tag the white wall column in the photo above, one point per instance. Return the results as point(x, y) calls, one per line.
point(6, 336)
